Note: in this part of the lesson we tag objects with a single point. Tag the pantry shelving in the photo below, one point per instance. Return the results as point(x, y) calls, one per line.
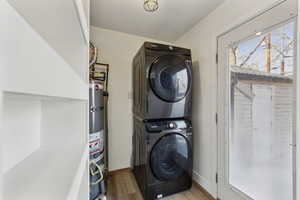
point(44, 100)
point(45, 150)
point(62, 27)
point(46, 174)
point(30, 65)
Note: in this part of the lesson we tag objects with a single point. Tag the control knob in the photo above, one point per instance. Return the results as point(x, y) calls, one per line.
point(171, 125)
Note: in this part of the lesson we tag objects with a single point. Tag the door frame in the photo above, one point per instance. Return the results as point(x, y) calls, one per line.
point(296, 125)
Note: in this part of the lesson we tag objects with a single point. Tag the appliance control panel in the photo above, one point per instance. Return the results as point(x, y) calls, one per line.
point(159, 126)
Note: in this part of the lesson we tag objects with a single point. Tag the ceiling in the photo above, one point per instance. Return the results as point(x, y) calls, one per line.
point(173, 18)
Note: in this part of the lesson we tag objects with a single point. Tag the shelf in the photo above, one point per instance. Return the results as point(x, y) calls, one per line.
point(45, 151)
point(31, 66)
point(47, 174)
point(44, 99)
point(61, 25)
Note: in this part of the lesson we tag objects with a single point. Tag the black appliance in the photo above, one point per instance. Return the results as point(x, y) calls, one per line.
point(162, 82)
point(162, 157)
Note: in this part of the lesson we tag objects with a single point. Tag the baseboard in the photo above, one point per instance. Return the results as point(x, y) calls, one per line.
point(203, 184)
point(120, 171)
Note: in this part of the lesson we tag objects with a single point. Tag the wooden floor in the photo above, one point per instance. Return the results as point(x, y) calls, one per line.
point(122, 186)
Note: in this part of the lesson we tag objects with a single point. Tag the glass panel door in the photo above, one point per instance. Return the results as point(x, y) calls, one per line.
point(256, 107)
point(260, 155)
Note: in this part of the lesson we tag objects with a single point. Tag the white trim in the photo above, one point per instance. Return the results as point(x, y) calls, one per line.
point(83, 20)
point(248, 18)
point(298, 111)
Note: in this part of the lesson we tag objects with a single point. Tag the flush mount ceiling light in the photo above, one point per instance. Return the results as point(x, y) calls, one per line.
point(258, 33)
point(150, 5)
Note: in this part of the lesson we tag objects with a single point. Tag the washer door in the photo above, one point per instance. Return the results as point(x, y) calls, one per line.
point(170, 77)
point(170, 157)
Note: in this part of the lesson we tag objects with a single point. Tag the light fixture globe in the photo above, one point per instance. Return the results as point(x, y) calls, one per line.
point(150, 5)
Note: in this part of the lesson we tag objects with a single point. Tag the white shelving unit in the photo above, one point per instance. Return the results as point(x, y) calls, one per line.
point(31, 65)
point(61, 24)
point(43, 102)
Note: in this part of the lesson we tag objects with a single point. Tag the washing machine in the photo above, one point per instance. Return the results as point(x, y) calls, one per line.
point(162, 82)
point(162, 157)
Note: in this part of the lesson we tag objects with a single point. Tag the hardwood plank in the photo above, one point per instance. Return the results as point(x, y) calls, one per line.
point(135, 185)
point(203, 191)
point(122, 186)
point(125, 170)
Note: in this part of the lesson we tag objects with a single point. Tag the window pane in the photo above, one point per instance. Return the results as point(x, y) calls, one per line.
point(261, 115)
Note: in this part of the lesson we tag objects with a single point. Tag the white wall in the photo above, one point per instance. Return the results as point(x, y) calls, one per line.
point(1, 132)
point(1, 140)
point(202, 40)
point(118, 49)
point(298, 111)
point(63, 120)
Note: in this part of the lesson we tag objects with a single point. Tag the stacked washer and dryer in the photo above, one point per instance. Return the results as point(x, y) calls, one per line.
point(162, 107)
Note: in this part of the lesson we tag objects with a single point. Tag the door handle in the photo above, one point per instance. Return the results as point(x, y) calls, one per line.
point(293, 145)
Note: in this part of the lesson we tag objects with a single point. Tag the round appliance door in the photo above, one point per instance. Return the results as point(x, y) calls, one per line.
point(170, 157)
point(171, 77)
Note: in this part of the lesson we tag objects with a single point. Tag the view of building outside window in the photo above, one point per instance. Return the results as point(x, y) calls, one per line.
point(272, 52)
point(261, 71)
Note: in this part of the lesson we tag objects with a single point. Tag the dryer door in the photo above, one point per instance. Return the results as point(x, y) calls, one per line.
point(171, 77)
point(171, 157)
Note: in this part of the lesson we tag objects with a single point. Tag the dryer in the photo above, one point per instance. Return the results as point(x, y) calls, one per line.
point(162, 157)
point(162, 82)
